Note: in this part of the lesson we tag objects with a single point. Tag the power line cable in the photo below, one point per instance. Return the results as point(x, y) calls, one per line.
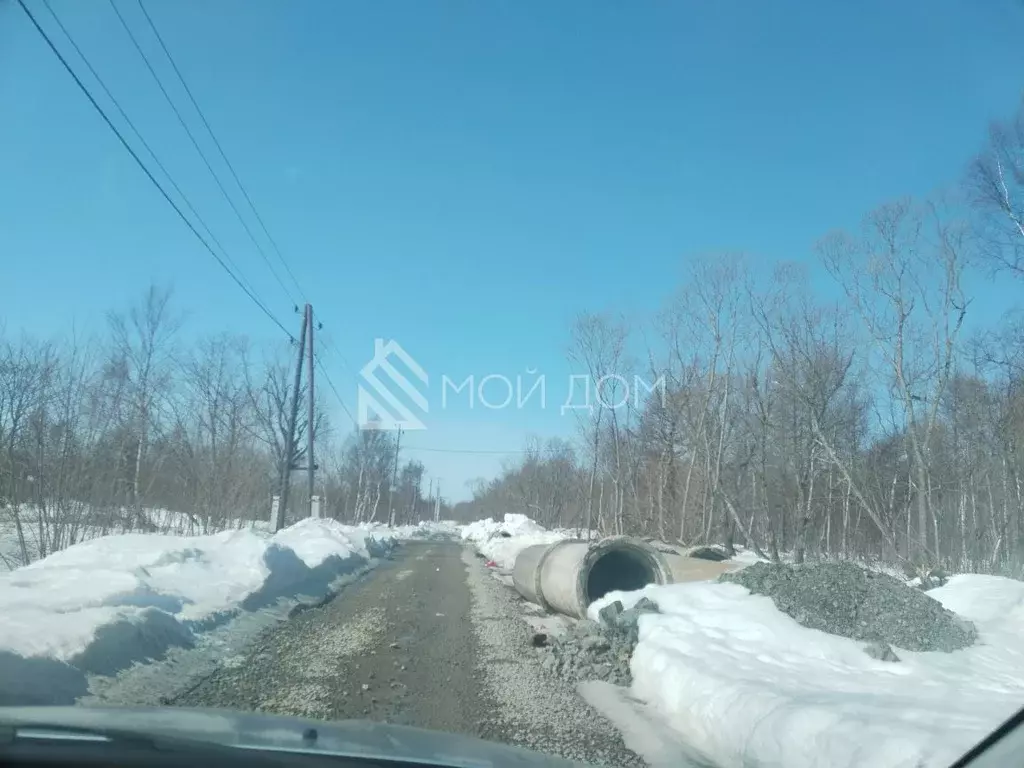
point(149, 174)
point(220, 261)
point(334, 389)
point(199, 150)
point(145, 144)
point(220, 149)
point(331, 343)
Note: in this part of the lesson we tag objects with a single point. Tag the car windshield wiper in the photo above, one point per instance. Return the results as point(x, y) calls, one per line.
point(25, 741)
point(42, 731)
point(28, 739)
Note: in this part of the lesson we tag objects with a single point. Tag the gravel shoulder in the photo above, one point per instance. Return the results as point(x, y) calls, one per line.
point(531, 708)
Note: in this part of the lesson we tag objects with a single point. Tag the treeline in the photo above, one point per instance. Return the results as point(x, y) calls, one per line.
point(104, 436)
point(882, 424)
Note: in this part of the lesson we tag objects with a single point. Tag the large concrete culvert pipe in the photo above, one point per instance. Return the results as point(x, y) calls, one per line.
point(567, 576)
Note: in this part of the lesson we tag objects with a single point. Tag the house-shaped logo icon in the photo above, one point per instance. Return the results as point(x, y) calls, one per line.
point(379, 408)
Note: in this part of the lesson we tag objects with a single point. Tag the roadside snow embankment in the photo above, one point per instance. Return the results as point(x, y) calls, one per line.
point(502, 541)
point(444, 530)
point(747, 684)
point(99, 606)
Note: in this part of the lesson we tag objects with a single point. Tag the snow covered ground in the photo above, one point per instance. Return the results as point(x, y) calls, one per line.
point(743, 684)
point(155, 519)
point(747, 685)
point(444, 529)
point(502, 541)
point(98, 606)
point(726, 672)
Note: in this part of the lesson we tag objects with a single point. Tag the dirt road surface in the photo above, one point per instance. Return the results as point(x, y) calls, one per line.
point(429, 639)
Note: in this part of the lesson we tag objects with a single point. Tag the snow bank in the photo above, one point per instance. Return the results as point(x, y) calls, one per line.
point(425, 530)
point(100, 605)
point(747, 685)
point(153, 520)
point(501, 542)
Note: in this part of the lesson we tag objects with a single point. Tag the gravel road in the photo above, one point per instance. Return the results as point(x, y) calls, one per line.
point(430, 639)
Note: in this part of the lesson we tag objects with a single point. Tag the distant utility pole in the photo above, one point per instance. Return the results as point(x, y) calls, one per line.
point(310, 458)
point(287, 461)
point(394, 482)
point(437, 503)
point(305, 352)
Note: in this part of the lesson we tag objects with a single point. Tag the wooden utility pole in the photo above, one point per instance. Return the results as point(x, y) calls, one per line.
point(394, 482)
point(289, 439)
point(310, 462)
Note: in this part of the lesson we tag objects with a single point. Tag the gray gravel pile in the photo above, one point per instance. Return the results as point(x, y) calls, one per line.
point(845, 599)
point(594, 650)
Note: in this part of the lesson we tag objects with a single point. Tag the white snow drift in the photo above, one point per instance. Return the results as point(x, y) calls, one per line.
point(746, 684)
point(502, 541)
point(54, 607)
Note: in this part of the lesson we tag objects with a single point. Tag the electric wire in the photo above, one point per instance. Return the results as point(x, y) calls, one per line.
point(149, 174)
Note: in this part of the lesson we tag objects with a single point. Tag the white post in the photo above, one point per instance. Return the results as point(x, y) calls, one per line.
point(275, 506)
point(314, 506)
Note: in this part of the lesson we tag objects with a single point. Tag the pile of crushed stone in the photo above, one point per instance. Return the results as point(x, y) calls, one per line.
point(593, 650)
point(845, 599)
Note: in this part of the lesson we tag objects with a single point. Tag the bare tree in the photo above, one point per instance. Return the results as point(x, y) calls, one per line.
point(598, 347)
point(141, 339)
point(903, 276)
point(26, 371)
point(996, 183)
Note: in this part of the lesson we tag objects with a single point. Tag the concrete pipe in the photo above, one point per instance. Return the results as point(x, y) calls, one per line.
point(683, 569)
point(569, 575)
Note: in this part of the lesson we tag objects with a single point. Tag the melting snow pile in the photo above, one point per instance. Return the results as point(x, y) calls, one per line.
point(100, 605)
point(444, 530)
point(746, 684)
point(502, 541)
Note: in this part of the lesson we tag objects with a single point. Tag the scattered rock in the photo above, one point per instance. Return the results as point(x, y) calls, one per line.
point(646, 605)
point(539, 639)
point(881, 651)
point(713, 552)
point(610, 612)
point(599, 650)
point(845, 599)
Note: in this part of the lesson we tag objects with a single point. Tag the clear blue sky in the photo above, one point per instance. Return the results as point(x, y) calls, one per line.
point(464, 177)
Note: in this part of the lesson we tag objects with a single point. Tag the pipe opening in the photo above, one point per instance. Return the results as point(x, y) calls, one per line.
point(618, 569)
